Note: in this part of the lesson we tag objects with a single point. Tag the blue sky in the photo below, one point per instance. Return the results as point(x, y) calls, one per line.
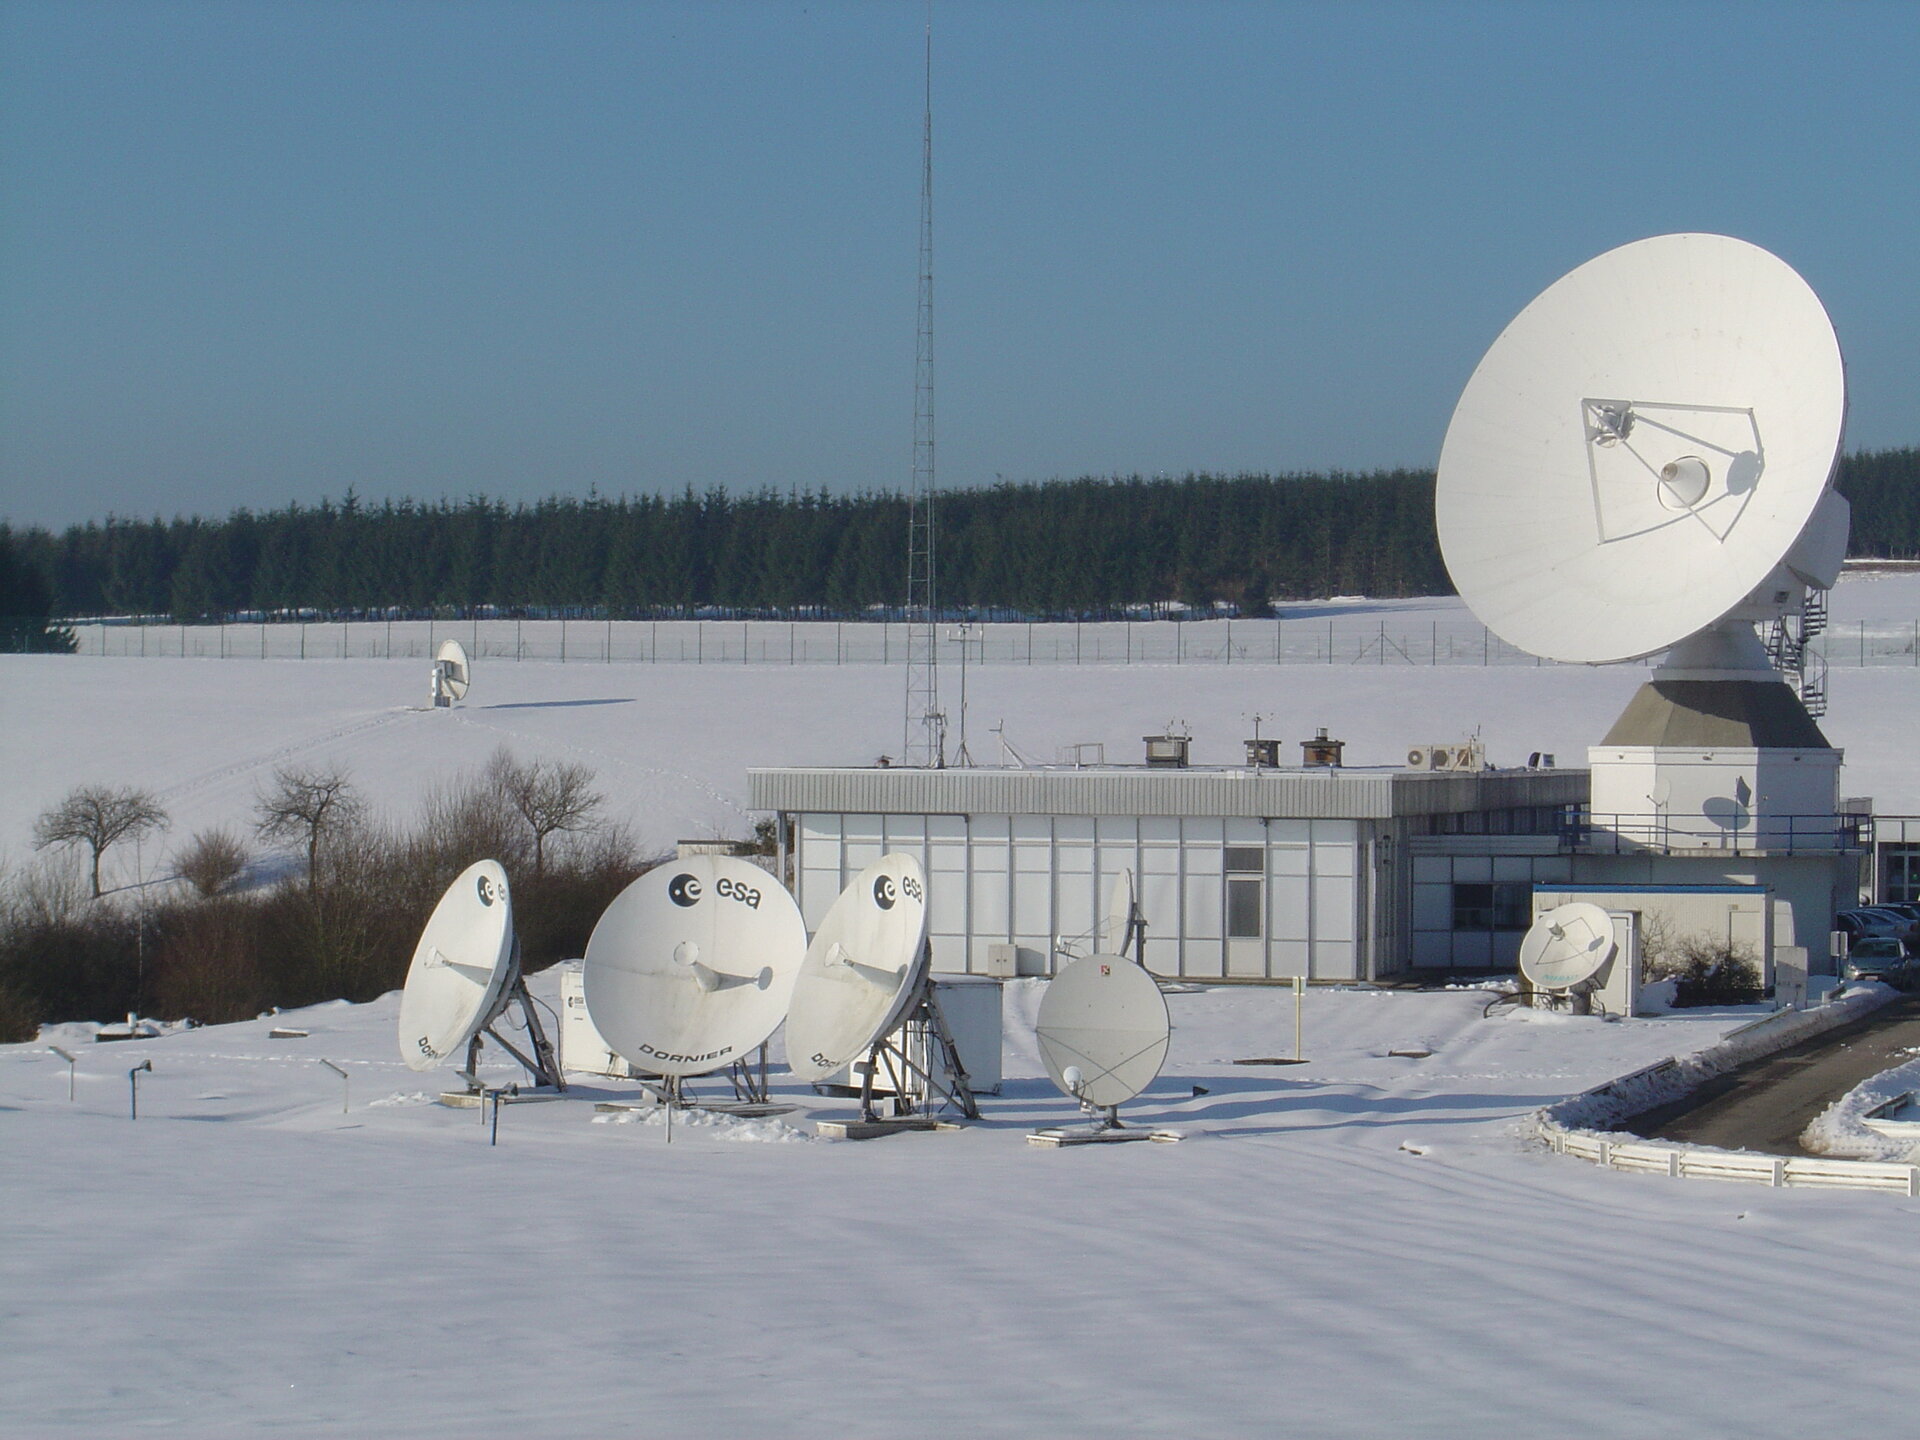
point(257, 253)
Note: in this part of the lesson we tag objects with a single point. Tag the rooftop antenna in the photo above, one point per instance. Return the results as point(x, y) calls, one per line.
point(925, 742)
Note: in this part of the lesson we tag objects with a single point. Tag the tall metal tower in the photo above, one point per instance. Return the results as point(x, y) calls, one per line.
point(925, 742)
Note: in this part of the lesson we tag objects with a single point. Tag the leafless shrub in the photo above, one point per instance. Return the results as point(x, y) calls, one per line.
point(212, 861)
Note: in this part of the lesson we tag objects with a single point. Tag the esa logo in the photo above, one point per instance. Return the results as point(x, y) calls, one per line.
point(734, 890)
point(684, 889)
point(484, 884)
point(884, 893)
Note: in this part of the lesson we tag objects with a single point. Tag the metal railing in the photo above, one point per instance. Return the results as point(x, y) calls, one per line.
point(1740, 834)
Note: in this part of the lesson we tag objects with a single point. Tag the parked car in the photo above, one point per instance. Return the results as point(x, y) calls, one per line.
point(1880, 957)
point(1870, 920)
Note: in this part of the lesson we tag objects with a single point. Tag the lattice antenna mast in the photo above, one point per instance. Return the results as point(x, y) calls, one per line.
point(926, 726)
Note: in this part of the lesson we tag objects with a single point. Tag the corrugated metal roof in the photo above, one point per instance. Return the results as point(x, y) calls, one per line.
point(1332, 794)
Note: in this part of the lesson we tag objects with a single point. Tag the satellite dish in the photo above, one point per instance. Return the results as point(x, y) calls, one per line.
point(464, 975)
point(692, 965)
point(1103, 1032)
point(862, 969)
point(1645, 451)
point(460, 967)
point(1123, 930)
point(451, 673)
point(1567, 946)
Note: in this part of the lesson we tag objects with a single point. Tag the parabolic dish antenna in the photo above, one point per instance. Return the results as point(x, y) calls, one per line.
point(1641, 448)
point(451, 673)
point(692, 965)
point(1105, 1018)
point(861, 970)
point(461, 967)
point(1567, 946)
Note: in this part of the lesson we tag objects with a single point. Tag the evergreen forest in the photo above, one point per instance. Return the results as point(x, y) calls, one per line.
point(1077, 548)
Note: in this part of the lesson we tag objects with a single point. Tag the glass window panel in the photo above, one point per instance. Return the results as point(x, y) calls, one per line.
point(1160, 861)
point(1432, 907)
point(990, 907)
point(947, 855)
point(1160, 903)
point(906, 832)
point(1246, 858)
point(1286, 958)
point(1431, 867)
point(1033, 904)
point(1332, 859)
point(1036, 859)
point(1243, 907)
point(1333, 908)
point(1333, 961)
point(1289, 906)
point(1202, 917)
point(1287, 860)
point(1076, 897)
point(1073, 859)
point(990, 827)
point(820, 828)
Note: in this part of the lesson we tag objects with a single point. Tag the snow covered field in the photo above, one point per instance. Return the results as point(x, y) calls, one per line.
point(1359, 1246)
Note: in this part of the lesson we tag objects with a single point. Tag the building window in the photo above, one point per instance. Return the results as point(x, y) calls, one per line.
point(1506, 906)
point(1243, 907)
point(1900, 872)
point(1246, 867)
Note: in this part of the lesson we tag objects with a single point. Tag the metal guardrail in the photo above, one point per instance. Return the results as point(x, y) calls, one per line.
point(1645, 1157)
point(1612, 834)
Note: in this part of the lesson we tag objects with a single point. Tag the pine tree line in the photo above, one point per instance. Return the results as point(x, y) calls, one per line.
point(1066, 548)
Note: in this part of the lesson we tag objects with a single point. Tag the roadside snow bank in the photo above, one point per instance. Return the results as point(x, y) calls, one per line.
point(1841, 1128)
point(1605, 1106)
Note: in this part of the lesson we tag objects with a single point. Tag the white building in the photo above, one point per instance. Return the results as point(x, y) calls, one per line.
point(1242, 873)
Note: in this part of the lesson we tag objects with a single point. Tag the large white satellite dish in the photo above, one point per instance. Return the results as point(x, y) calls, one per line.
point(1567, 946)
point(861, 969)
point(1103, 1031)
point(691, 967)
point(1645, 450)
point(1122, 928)
point(465, 973)
point(451, 673)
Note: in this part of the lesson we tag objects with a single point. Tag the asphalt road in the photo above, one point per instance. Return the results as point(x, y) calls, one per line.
point(1764, 1106)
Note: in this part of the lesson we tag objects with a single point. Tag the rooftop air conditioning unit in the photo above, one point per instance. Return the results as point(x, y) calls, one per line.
point(1428, 757)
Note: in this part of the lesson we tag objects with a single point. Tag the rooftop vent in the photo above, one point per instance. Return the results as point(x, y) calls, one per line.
point(1168, 751)
point(1263, 754)
point(1320, 751)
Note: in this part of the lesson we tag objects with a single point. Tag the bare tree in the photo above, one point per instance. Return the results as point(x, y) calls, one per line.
point(551, 796)
point(310, 806)
point(98, 817)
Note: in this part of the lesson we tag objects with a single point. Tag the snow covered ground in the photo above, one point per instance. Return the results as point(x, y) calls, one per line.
point(1359, 1246)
